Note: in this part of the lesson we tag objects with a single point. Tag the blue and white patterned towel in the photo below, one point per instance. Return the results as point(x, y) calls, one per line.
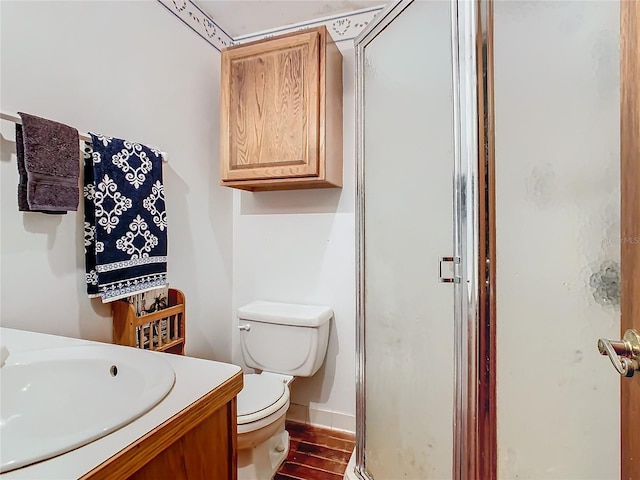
point(125, 227)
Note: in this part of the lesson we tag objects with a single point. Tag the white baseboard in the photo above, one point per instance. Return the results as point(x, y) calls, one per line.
point(322, 418)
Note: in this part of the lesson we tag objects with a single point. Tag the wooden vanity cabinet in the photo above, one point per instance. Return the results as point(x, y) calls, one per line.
point(281, 113)
point(199, 443)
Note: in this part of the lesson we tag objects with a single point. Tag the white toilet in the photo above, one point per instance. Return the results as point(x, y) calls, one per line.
point(280, 341)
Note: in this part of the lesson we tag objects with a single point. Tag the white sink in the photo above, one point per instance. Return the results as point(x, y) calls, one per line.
point(57, 399)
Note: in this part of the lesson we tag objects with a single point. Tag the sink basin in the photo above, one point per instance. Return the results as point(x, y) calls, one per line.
point(57, 399)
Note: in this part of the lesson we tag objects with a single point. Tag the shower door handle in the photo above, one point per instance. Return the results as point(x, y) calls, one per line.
point(625, 354)
point(455, 278)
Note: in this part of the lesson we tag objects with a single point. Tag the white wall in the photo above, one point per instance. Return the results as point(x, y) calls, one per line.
point(127, 69)
point(299, 247)
point(160, 86)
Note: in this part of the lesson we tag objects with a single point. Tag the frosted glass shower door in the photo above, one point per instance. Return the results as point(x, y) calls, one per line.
point(408, 157)
point(557, 154)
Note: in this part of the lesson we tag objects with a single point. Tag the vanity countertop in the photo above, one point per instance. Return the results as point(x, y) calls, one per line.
point(195, 378)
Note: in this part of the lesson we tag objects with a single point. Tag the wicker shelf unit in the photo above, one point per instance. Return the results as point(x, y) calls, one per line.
point(163, 330)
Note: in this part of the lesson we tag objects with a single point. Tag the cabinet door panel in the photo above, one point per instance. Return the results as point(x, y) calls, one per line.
point(272, 94)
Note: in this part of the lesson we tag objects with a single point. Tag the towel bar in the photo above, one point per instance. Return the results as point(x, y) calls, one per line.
point(83, 136)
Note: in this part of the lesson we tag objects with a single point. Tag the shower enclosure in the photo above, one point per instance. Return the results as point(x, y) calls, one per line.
point(489, 241)
point(417, 241)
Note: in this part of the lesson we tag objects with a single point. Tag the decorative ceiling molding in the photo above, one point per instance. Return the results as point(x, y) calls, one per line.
point(199, 22)
point(343, 27)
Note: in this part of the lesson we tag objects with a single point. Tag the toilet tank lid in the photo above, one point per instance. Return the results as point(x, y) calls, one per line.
point(286, 313)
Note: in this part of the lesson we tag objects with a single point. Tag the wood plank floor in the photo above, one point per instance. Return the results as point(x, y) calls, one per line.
point(316, 453)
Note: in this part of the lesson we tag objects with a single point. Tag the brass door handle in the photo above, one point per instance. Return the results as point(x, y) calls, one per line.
point(625, 354)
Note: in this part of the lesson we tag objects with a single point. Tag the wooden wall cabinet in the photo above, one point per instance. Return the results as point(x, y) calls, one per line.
point(281, 113)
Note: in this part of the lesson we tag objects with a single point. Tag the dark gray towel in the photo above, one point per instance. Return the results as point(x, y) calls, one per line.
point(49, 164)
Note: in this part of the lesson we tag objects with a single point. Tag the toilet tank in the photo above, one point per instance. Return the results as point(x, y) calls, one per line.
point(284, 338)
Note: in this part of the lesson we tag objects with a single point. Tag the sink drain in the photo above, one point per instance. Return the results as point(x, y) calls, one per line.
point(113, 370)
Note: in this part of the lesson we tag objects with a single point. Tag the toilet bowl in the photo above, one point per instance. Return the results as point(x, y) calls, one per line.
point(263, 442)
point(280, 341)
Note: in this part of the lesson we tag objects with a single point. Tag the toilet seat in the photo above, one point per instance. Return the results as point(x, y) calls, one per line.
point(261, 396)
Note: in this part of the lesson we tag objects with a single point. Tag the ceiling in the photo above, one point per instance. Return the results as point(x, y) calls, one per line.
point(242, 17)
